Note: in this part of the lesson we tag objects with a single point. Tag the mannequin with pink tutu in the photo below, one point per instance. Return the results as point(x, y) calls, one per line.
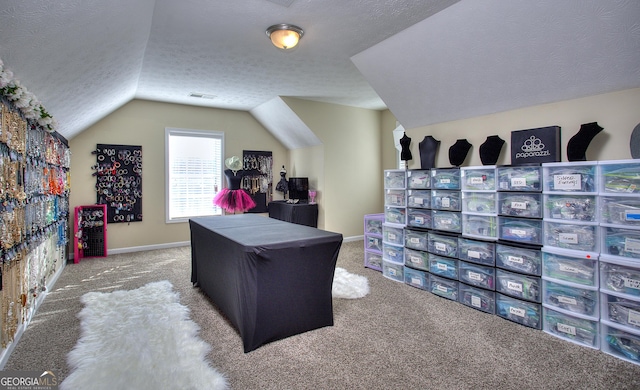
point(233, 198)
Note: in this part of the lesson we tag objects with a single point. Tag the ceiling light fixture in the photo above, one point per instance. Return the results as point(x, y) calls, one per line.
point(284, 36)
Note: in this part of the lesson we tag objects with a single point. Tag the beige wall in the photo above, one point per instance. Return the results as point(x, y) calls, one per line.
point(352, 163)
point(618, 113)
point(309, 162)
point(143, 123)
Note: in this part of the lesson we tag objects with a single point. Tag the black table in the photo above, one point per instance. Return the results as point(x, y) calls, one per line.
point(300, 213)
point(271, 279)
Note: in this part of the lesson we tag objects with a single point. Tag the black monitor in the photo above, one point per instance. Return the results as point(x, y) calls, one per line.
point(299, 188)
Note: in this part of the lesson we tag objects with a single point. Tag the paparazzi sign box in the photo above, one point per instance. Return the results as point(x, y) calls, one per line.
point(538, 145)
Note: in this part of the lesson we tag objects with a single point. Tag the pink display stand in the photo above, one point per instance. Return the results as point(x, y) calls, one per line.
point(89, 232)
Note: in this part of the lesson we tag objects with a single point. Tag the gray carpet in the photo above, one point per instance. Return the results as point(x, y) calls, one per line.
point(398, 337)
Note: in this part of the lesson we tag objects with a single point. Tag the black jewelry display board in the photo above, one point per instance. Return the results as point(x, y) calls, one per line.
point(258, 178)
point(118, 174)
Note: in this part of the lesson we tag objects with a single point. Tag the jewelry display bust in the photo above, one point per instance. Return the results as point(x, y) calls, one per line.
point(428, 148)
point(458, 152)
point(490, 150)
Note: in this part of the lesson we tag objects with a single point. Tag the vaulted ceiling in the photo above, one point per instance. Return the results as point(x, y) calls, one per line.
point(428, 61)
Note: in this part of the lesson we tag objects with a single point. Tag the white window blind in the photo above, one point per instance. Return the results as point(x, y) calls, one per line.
point(194, 161)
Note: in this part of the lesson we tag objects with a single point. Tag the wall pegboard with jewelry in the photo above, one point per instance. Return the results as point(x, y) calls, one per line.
point(258, 178)
point(118, 172)
point(34, 207)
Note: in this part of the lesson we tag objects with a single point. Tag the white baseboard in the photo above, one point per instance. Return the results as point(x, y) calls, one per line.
point(148, 247)
point(353, 238)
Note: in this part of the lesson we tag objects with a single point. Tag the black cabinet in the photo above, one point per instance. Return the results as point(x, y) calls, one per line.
point(300, 213)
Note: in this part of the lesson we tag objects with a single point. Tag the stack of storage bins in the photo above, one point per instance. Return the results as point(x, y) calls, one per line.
point(395, 219)
point(570, 295)
point(442, 240)
point(373, 241)
point(418, 222)
point(620, 259)
point(518, 256)
point(476, 249)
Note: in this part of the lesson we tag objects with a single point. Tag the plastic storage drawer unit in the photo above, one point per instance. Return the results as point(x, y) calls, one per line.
point(441, 244)
point(477, 298)
point(581, 331)
point(519, 178)
point(416, 278)
point(479, 252)
point(571, 299)
point(419, 199)
point(419, 178)
point(519, 286)
point(477, 275)
point(520, 204)
point(416, 259)
point(519, 258)
point(620, 342)
point(393, 271)
point(570, 177)
point(561, 266)
point(443, 266)
point(444, 287)
point(420, 218)
point(478, 178)
point(524, 313)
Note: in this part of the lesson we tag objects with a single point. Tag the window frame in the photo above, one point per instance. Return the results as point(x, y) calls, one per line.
point(173, 131)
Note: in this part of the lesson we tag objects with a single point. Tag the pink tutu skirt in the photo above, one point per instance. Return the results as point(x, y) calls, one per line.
point(234, 200)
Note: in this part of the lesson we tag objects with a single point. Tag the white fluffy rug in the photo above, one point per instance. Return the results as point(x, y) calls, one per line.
point(139, 339)
point(348, 285)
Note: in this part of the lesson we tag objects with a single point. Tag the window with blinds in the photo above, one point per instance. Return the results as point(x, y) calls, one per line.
point(194, 161)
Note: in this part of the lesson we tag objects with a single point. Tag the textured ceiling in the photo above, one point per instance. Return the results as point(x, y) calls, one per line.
point(481, 57)
point(428, 61)
point(85, 58)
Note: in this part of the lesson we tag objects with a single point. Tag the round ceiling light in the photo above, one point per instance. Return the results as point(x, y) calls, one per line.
point(284, 36)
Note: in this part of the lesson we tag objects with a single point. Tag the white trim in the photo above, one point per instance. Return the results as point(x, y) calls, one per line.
point(353, 238)
point(148, 247)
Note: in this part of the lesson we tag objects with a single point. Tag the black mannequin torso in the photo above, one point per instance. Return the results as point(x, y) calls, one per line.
point(233, 179)
point(405, 154)
point(428, 148)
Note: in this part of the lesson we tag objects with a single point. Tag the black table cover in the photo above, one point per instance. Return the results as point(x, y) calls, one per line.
point(300, 213)
point(272, 279)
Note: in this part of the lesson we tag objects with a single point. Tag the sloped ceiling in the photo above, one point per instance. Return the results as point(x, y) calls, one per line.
point(481, 57)
point(428, 61)
point(85, 58)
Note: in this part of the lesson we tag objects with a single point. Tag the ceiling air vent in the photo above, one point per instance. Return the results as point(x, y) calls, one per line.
point(201, 95)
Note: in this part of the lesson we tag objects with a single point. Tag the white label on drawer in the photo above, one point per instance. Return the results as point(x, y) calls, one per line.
point(519, 205)
point(441, 266)
point(631, 215)
point(476, 180)
point(632, 245)
point(474, 276)
point(393, 254)
point(568, 238)
point(567, 300)
point(634, 317)
point(417, 281)
point(564, 328)
point(440, 247)
point(445, 181)
point(568, 268)
point(515, 286)
point(392, 271)
point(518, 182)
point(476, 301)
point(446, 202)
point(420, 220)
point(517, 311)
point(446, 221)
point(417, 180)
point(418, 200)
point(567, 182)
point(631, 283)
point(515, 259)
point(416, 259)
point(473, 254)
point(391, 236)
point(442, 288)
point(414, 240)
point(518, 232)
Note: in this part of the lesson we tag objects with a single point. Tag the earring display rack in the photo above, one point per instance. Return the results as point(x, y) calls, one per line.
point(258, 178)
point(118, 173)
point(34, 209)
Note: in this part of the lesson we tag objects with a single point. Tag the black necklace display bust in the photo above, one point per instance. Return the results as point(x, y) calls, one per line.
point(490, 150)
point(458, 152)
point(578, 144)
